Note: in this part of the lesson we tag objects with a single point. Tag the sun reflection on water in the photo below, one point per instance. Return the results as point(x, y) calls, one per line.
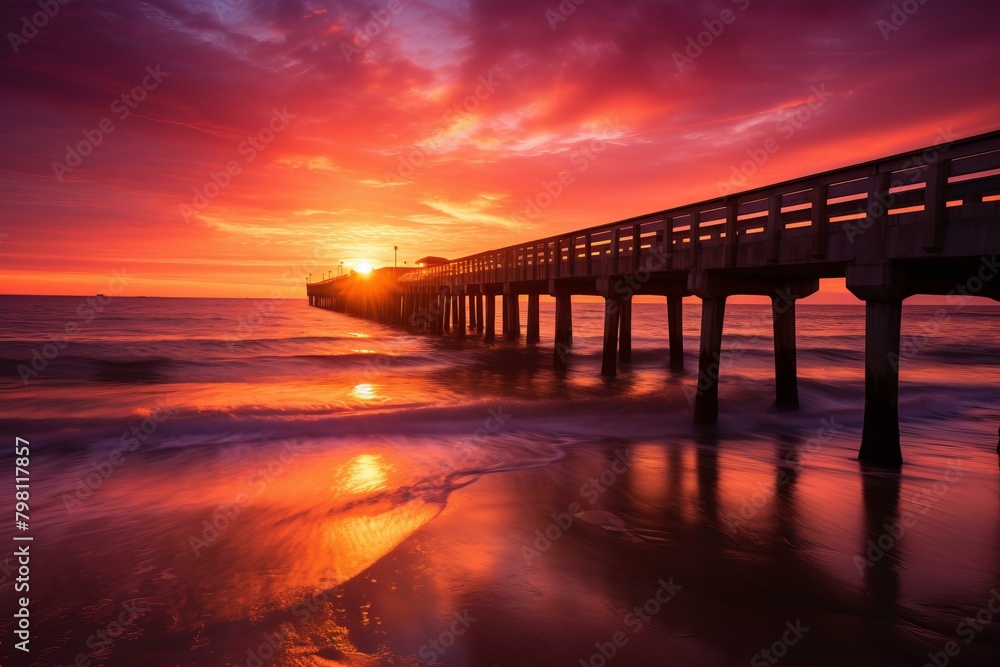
point(364, 392)
point(363, 473)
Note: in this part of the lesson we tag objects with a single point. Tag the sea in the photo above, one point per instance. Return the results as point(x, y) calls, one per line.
point(222, 482)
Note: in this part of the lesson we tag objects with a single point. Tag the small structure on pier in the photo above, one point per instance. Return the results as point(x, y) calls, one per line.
point(429, 261)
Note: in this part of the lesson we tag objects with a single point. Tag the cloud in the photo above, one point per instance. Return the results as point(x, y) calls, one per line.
point(405, 136)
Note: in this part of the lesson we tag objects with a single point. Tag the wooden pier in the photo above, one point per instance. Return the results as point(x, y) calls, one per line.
point(923, 222)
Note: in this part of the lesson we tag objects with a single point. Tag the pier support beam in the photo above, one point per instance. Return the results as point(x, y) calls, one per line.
point(442, 311)
point(713, 288)
point(625, 329)
point(437, 312)
point(504, 314)
point(472, 312)
point(491, 318)
point(532, 333)
point(459, 301)
point(706, 398)
point(785, 373)
point(512, 317)
point(564, 329)
point(882, 286)
point(880, 437)
point(479, 313)
point(612, 317)
point(675, 325)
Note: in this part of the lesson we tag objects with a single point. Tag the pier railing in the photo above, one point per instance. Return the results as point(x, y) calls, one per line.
point(806, 220)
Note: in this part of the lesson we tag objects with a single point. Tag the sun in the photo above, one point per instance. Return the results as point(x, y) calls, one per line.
point(364, 267)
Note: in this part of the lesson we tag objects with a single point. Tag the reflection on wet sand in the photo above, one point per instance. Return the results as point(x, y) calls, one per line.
point(366, 557)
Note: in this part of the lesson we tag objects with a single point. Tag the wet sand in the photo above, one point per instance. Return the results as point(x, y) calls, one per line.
point(532, 551)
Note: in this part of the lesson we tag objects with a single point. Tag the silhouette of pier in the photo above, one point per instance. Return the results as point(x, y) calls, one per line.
point(921, 222)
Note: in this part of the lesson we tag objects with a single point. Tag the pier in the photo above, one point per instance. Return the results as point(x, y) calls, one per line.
point(921, 222)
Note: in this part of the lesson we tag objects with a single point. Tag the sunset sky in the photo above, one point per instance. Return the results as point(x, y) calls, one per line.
point(436, 131)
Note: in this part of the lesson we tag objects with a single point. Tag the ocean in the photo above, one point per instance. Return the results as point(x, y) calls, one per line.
point(257, 482)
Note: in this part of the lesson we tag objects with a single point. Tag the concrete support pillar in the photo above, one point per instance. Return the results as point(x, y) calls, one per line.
point(504, 314)
point(439, 312)
point(460, 325)
point(612, 317)
point(675, 326)
point(491, 318)
point(420, 311)
point(472, 312)
point(625, 328)
point(706, 399)
point(564, 329)
point(880, 437)
point(533, 334)
point(568, 319)
point(513, 317)
point(479, 313)
point(785, 373)
point(446, 315)
point(883, 286)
